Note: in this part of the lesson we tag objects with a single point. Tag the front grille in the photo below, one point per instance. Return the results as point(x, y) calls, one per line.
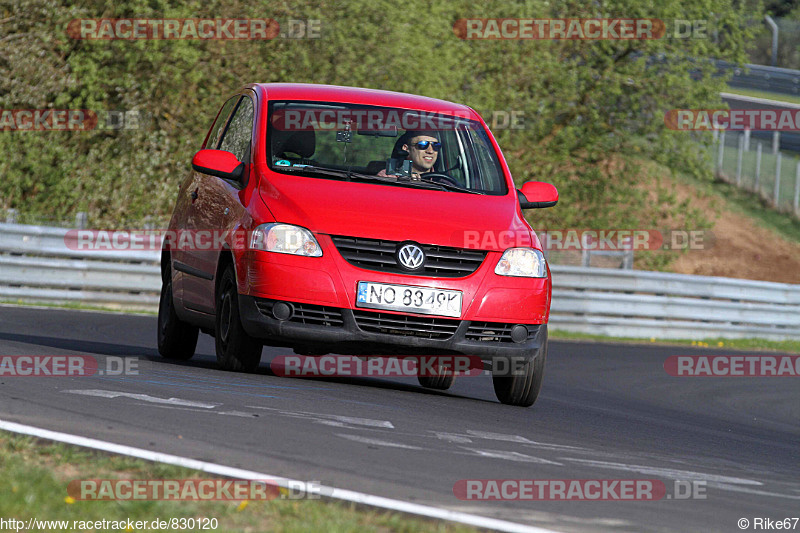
point(491, 332)
point(314, 315)
point(395, 324)
point(416, 326)
point(440, 261)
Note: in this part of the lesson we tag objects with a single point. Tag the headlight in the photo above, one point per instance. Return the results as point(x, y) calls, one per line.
point(522, 262)
point(285, 239)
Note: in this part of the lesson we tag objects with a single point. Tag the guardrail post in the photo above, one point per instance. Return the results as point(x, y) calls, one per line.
point(739, 161)
point(627, 259)
point(777, 190)
point(796, 203)
point(81, 220)
point(720, 152)
point(776, 141)
point(11, 216)
point(774, 27)
point(758, 166)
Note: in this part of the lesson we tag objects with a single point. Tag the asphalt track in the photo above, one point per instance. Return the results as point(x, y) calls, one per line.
point(607, 411)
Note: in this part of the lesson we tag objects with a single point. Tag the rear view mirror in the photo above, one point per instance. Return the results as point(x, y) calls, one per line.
point(537, 194)
point(389, 131)
point(219, 163)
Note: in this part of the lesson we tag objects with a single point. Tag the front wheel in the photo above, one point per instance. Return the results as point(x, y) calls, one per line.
point(236, 350)
point(518, 382)
point(176, 340)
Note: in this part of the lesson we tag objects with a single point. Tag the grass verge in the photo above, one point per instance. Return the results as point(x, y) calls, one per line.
point(79, 307)
point(36, 473)
point(764, 94)
point(733, 344)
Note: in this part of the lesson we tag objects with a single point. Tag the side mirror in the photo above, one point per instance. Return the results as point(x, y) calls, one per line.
point(219, 163)
point(537, 194)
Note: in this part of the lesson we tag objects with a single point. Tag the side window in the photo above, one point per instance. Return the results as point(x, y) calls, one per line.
point(491, 174)
point(218, 127)
point(239, 132)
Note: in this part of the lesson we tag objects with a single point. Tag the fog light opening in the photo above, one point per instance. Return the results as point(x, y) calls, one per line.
point(519, 333)
point(282, 310)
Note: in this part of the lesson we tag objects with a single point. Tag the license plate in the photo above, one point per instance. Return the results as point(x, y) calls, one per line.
point(408, 298)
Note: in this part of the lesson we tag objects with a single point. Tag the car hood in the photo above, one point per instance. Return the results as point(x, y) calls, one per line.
point(376, 211)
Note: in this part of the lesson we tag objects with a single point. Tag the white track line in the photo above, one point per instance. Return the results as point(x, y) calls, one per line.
point(238, 473)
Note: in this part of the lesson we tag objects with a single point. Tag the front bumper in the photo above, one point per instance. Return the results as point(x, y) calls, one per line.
point(331, 280)
point(319, 329)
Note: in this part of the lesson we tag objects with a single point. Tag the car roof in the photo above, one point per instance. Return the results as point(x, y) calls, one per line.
point(358, 95)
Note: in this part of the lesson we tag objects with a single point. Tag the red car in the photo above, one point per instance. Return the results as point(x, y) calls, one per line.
point(357, 221)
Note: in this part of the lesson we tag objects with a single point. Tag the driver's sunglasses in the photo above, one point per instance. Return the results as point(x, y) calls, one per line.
point(423, 145)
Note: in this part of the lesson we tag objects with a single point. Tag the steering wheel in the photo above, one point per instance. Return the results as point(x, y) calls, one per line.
point(437, 177)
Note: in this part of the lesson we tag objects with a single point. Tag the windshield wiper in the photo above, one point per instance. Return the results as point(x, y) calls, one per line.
point(348, 174)
point(366, 177)
point(333, 172)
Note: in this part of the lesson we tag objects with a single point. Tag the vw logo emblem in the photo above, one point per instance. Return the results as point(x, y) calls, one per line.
point(410, 256)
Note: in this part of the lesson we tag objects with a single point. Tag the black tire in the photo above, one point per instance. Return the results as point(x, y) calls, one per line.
point(443, 379)
point(236, 350)
point(176, 339)
point(522, 387)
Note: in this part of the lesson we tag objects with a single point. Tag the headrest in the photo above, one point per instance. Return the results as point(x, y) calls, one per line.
point(302, 143)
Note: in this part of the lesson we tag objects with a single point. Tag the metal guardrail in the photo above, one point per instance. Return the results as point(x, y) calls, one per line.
point(625, 303)
point(763, 78)
point(37, 265)
point(44, 264)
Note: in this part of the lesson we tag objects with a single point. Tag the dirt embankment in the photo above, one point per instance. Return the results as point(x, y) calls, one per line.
point(740, 248)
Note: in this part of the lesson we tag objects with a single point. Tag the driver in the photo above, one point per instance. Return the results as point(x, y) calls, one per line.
point(422, 148)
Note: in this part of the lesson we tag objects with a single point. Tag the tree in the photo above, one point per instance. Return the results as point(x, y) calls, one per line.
point(593, 109)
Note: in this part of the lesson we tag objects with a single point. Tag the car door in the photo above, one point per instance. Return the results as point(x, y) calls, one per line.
point(217, 208)
point(183, 218)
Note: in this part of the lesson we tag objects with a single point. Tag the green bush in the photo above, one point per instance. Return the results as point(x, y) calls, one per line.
point(592, 109)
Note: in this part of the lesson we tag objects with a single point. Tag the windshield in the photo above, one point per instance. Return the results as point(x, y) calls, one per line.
point(384, 145)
